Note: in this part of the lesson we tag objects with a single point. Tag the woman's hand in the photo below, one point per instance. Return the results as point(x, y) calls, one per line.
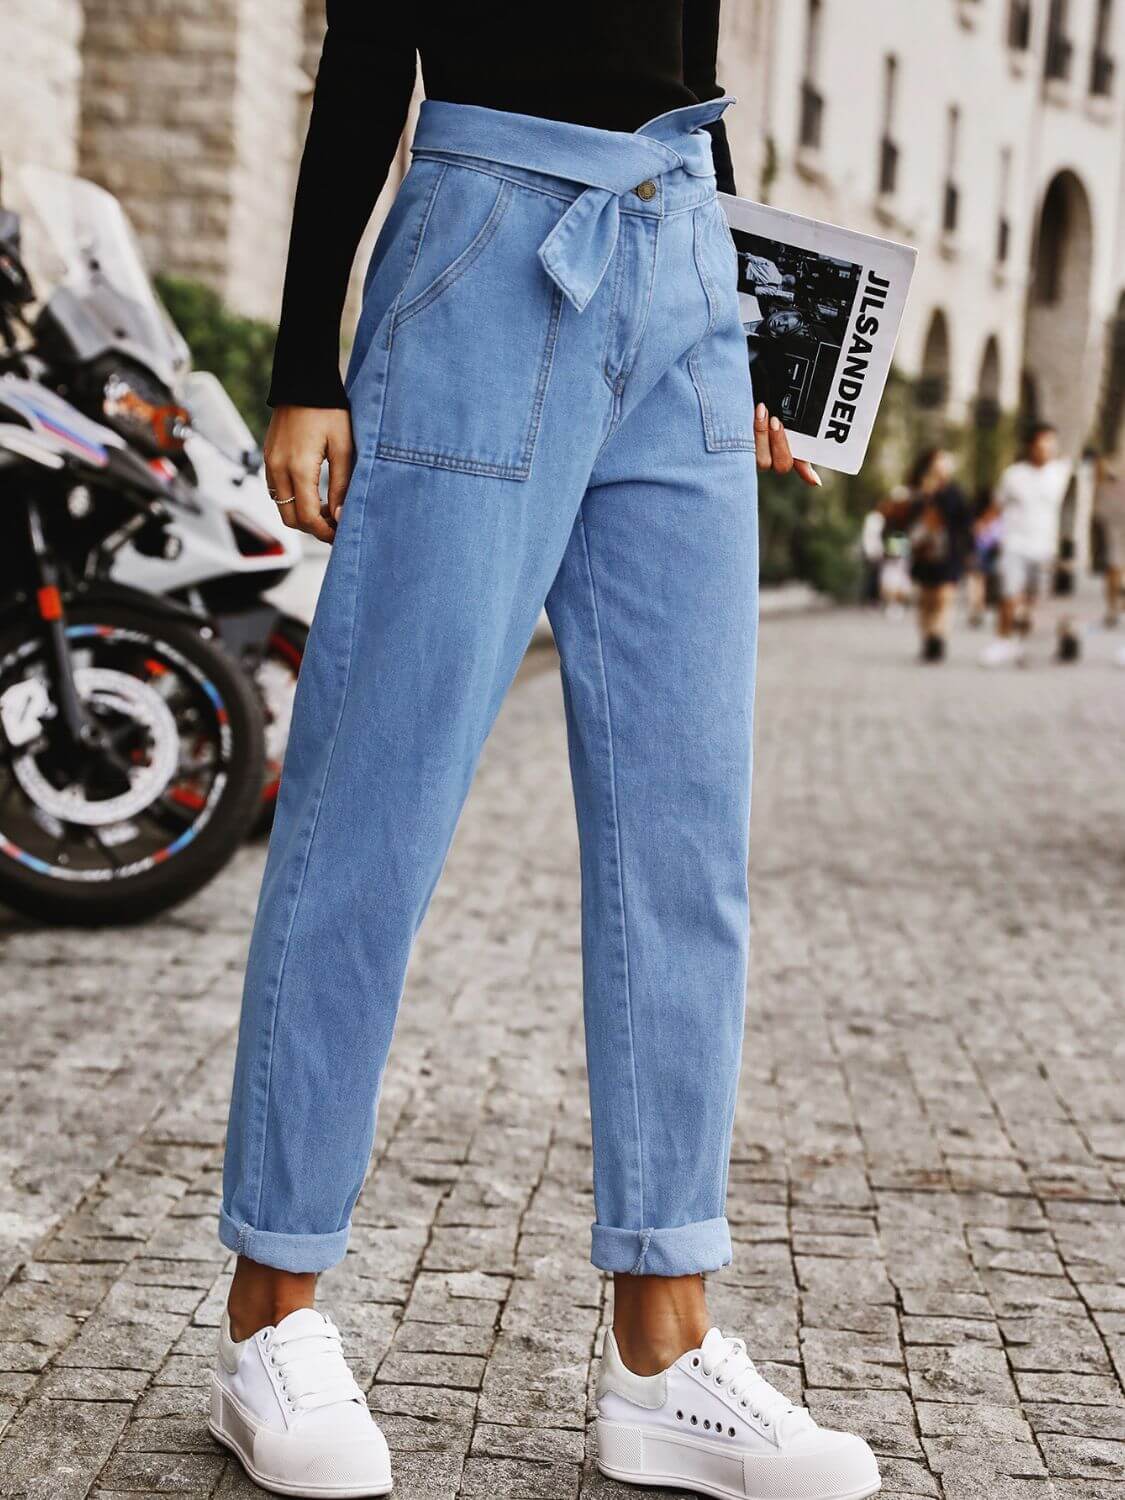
point(771, 448)
point(299, 439)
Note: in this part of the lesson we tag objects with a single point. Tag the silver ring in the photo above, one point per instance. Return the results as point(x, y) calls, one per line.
point(291, 501)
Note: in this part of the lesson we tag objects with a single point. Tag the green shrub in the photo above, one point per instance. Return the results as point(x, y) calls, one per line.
point(238, 350)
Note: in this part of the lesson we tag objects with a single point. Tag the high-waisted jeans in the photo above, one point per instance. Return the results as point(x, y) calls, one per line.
point(551, 404)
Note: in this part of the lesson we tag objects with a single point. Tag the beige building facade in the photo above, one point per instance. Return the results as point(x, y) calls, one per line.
point(191, 111)
point(989, 133)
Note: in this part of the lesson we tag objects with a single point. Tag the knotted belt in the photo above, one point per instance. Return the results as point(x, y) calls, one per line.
point(609, 163)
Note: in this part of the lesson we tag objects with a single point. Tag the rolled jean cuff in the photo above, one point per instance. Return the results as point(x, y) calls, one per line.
point(285, 1252)
point(683, 1251)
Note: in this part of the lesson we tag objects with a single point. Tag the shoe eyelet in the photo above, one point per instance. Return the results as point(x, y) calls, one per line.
point(694, 1420)
point(695, 1363)
point(679, 1416)
point(718, 1380)
point(765, 1421)
point(706, 1425)
point(731, 1431)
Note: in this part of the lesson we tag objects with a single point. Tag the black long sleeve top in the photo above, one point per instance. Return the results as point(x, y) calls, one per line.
point(612, 64)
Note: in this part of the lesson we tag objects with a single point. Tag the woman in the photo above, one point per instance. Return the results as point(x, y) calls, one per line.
point(1109, 511)
point(547, 402)
point(938, 526)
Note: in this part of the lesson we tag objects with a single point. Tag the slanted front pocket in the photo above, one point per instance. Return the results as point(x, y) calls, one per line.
point(719, 363)
point(472, 335)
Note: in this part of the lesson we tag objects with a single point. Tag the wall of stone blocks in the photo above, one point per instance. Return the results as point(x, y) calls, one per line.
point(39, 84)
point(157, 102)
point(267, 125)
point(190, 113)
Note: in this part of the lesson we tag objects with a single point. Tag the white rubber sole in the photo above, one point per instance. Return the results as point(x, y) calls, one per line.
point(658, 1458)
point(230, 1425)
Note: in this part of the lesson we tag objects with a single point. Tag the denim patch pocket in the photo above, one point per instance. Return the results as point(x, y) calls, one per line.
point(719, 363)
point(472, 334)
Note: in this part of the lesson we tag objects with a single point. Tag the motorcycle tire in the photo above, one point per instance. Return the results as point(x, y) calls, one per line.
point(174, 873)
point(284, 653)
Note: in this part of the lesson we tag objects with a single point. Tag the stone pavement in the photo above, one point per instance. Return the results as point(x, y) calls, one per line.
point(929, 1166)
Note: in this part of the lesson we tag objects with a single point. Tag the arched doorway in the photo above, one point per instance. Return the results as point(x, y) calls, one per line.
point(986, 445)
point(1059, 383)
point(932, 388)
point(1112, 411)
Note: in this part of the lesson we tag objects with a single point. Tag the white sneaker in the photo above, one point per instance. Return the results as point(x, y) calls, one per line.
point(285, 1402)
point(711, 1423)
point(1002, 653)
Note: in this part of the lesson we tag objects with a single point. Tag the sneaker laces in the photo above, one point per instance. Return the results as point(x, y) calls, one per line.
point(726, 1361)
point(309, 1359)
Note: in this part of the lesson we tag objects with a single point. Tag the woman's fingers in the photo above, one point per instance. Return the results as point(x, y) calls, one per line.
point(277, 480)
point(281, 488)
point(341, 459)
point(771, 447)
point(297, 443)
point(762, 436)
point(310, 516)
point(779, 447)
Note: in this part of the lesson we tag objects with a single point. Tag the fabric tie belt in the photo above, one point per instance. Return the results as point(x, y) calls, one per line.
point(610, 163)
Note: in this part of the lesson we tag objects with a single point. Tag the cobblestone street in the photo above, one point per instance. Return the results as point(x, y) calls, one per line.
point(928, 1186)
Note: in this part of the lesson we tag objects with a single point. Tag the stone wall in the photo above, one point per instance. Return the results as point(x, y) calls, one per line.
point(158, 86)
point(269, 109)
point(39, 84)
point(190, 115)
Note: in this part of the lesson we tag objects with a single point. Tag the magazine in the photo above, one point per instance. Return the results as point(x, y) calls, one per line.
point(821, 307)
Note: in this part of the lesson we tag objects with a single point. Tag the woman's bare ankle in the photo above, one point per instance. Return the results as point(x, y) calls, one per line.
point(658, 1318)
point(260, 1296)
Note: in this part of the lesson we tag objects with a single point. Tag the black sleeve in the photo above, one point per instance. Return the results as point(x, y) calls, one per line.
point(362, 97)
point(701, 49)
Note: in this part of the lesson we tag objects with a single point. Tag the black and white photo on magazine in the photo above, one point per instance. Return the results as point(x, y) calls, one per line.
point(796, 306)
point(821, 307)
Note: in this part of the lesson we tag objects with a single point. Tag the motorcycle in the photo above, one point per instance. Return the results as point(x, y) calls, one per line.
point(105, 341)
point(234, 548)
point(131, 745)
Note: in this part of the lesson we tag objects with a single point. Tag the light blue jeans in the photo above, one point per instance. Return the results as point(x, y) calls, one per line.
point(551, 402)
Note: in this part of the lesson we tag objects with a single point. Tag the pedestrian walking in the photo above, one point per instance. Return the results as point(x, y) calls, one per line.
point(871, 552)
point(895, 588)
point(548, 401)
point(1028, 503)
point(1109, 510)
point(935, 517)
point(982, 588)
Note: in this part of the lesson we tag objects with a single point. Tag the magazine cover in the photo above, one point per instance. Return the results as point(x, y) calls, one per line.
point(821, 307)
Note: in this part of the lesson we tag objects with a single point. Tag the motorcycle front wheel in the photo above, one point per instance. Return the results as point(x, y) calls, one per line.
point(165, 803)
point(275, 676)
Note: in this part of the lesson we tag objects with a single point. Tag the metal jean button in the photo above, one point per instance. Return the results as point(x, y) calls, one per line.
point(645, 190)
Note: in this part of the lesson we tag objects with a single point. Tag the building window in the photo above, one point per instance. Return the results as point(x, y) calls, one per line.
point(1060, 49)
point(1019, 25)
point(1003, 222)
point(931, 390)
point(888, 147)
point(812, 100)
point(1101, 62)
point(951, 200)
